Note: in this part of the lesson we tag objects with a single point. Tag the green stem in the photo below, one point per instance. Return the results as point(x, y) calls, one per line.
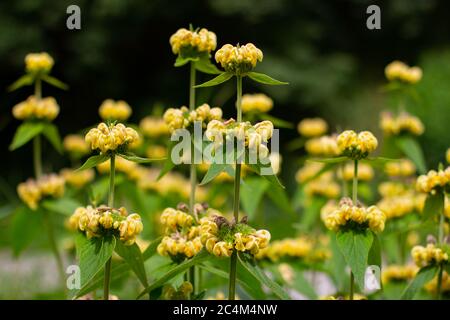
point(355, 183)
point(38, 89)
point(352, 285)
point(239, 98)
point(37, 160)
point(112, 176)
point(441, 228)
point(53, 245)
point(439, 282)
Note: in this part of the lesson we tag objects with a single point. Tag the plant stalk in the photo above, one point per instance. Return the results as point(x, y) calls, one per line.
point(352, 285)
point(355, 202)
point(54, 247)
point(37, 160)
point(112, 176)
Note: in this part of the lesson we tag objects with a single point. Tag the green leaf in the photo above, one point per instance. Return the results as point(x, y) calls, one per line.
point(375, 252)
point(221, 78)
point(133, 256)
point(272, 178)
point(132, 157)
point(64, 206)
point(422, 277)
point(55, 82)
point(303, 286)
point(249, 263)
point(25, 226)
point(434, 205)
point(251, 194)
point(94, 161)
point(264, 78)
point(25, 132)
point(178, 269)
point(204, 65)
point(280, 198)
point(92, 255)
point(51, 133)
point(181, 61)
point(329, 160)
point(355, 246)
point(24, 80)
point(151, 249)
point(412, 150)
point(213, 171)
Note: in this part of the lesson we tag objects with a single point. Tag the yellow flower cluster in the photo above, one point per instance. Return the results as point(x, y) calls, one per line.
point(109, 138)
point(96, 222)
point(390, 189)
point(432, 286)
point(183, 292)
point(114, 110)
point(153, 127)
point(402, 168)
point(42, 109)
point(395, 273)
point(77, 179)
point(240, 59)
point(397, 206)
point(308, 171)
point(76, 144)
point(258, 102)
point(356, 146)
point(399, 71)
point(365, 172)
point(32, 191)
point(433, 180)
point(184, 41)
point(253, 136)
point(156, 152)
point(325, 146)
point(183, 118)
point(312, 127)
point(403, 123)
point(347, 212)
point(324, 186)
point(38, 62)
point(429, 255)
point(297, 248)
point(220, 238)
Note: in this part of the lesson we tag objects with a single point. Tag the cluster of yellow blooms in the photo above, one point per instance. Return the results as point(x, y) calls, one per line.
point(403, 123)
point(184, 41)
point(156, 152)
point(154, 127)
point(398, 205)
point(220, 237)
point(432, 286)
point(258, 102)
point(240, 59)
point(109, 138)
point(312, 127)
point(324, 186)
point(183, 292)
point(253, 136)
point(100, 221)
point(356, 146)
point(395, 273)
point(429, 255)
point(38, 62)
point(42, 109)
point(114, 110)
point(365, 172)
point(433, 180)
point(390, 189)
point(348, 213)
point(77, 179)
point(402, 168)
point(308, 171)
point(298, 248)
point(32, 191)
point(399, 71)
point(182, 238)
point(179, 118)
point(325, 146)
point(76, 144)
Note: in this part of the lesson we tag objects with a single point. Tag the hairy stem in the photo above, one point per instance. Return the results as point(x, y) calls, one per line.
point(37, 159)
point(112, 176)
point(355, 201)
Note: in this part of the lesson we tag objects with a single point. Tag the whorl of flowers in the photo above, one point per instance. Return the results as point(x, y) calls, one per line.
point(356, 146)
point(308, 171)
point(38, 62)
point(402, 123)
point(401, 168)
point(398, 206)
point(429, 255)
point(109, 138)
point(323, 186)
point(240, 59)
point(296, 248)
point(77, 179)
point(184, 41)
point(221, 237)
point(390, 189)
point(33, 191)
point(398, 273)
point(156, 151)
point(104, 221)
point(325, 146)
point(76, 144)
point(179, 118)
point(433, 181)
point(399, 71)
point(154, 127)
point(365, 172)
point(312, 127)
point(32, 108)
point(257, 102)
point(114, 110)
point(351, 215)
point(432, 286)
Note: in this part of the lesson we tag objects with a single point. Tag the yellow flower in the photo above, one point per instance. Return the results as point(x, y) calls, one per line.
point(402, 168)
point(398, 273)
point(323, 186)
point(32, 191)
point(365, 172)
point(399, 71)
point(77, 179)
point(325, 146)
point(114, 110)
point(184, 41)
point(429, 255)
point(312, 127)
point(75, 144)
point(42, 109)
point(156, 152)
point(433, 180)
point(258, 102)
point(390, 189)
point(38, 62)
point(403, 123)
point(109, 138)
point(240, 59)
point(432, 286)
point(308, 171)
point(183, 118)
point(397, 206)
point(153, 127)
point(297, 248)
point(356, 146)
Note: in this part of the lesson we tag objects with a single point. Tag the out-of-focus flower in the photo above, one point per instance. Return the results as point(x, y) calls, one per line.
point(399, 71)
point(403, 123)
point(240, 59)
point(429, 255)
point(356, 146)
point(32, 108)
point(33, 191)
point(38, 62)
point(153, 127)
point(77, 179)
point(308, 171)
point(433, 180)
point(325, 146)
point(397, 206)
point(184, 42)
point(401, 168)
point(312, 127)
point(114, 110)
point(109, 138)
point(295, 248)
point(76, 144)
point(398, 273)
point(257, 102)
point(432, 286)
point(365, 172)
point(156, 152)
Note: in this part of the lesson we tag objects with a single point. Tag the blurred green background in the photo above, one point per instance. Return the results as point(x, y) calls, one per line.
point(333, 63)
